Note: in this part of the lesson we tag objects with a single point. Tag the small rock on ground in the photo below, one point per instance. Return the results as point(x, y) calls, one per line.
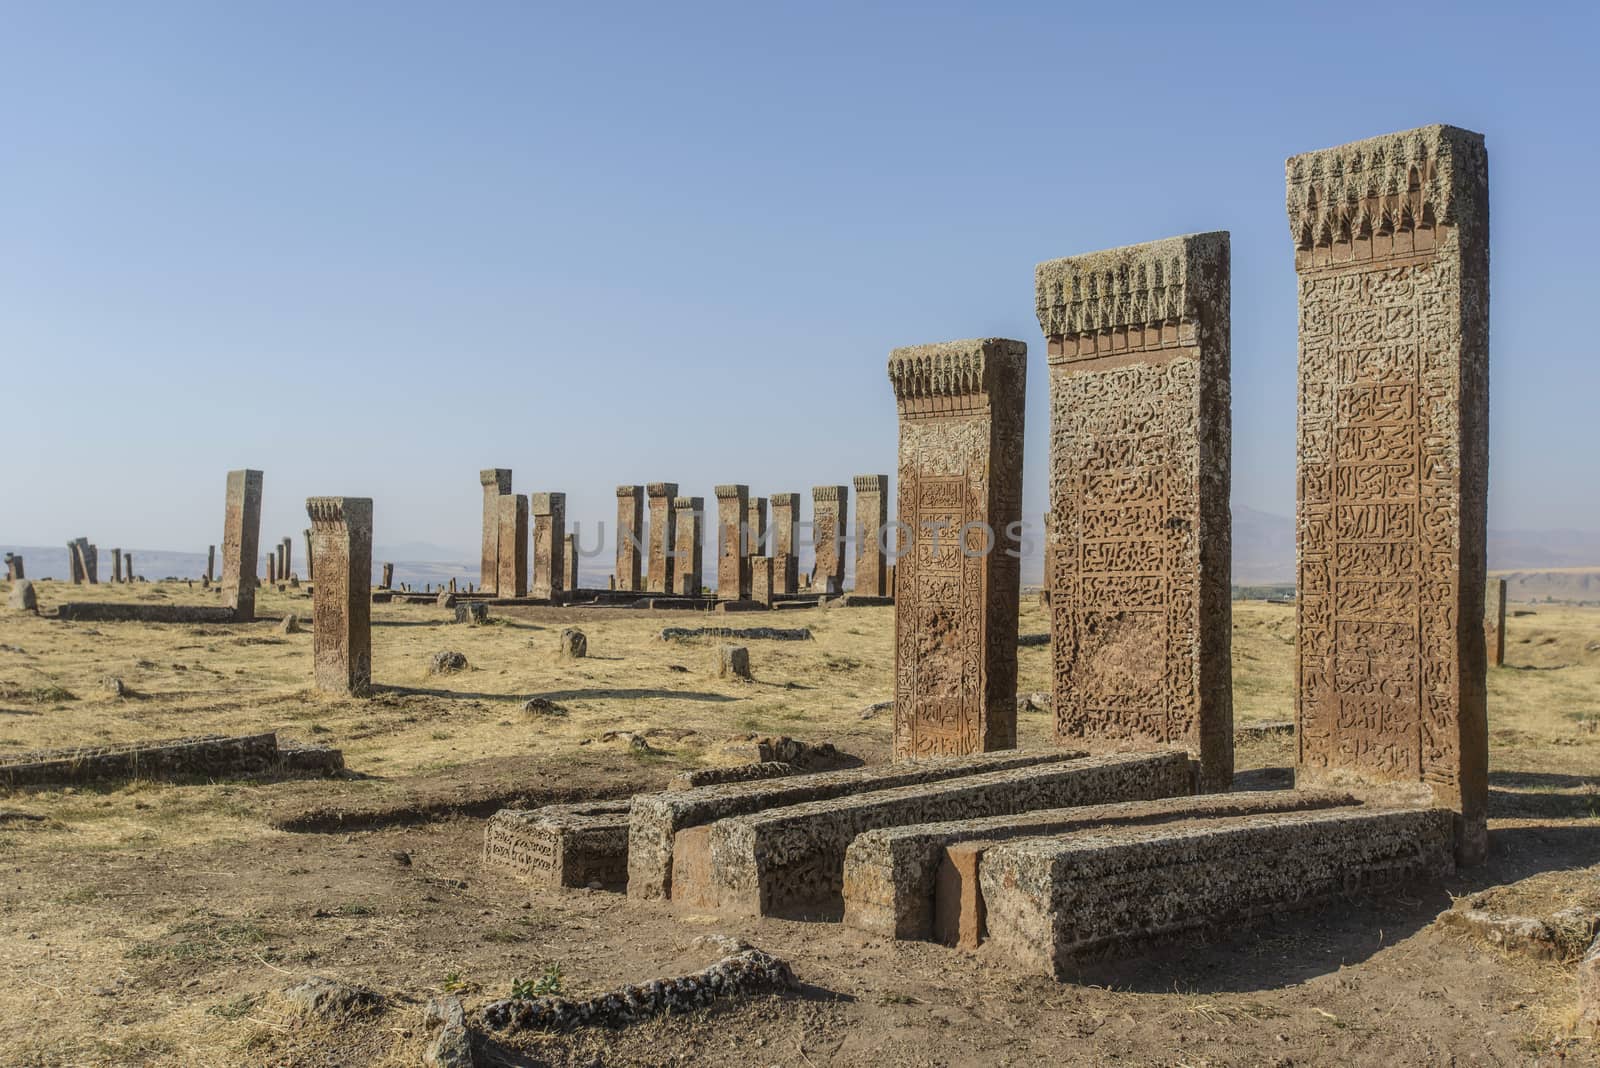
point(22, 596)
point(733, 661)
point(290, 624)
point(330, 999)
point(447, 662)
point(574, 643)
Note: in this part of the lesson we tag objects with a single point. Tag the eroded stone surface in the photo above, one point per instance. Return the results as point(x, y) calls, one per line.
point(205, 755)
point(511, 576)
point(341, 606)
point(561, 845)
point(792, 858)
point(1494, 622)
point(241, 539)
point(688, 520)
point(1051, 902)
point(496, 483)
point(733, 573)
point(549, 543)
point(830, 514)
point(1392, 252)
point(960, 488)
point(783, 538)
point(656, 818)
point(663, 558)
point(630, 538)
point(766, 769)
point(872, 516)
point(1137, 543)
point(889, 874)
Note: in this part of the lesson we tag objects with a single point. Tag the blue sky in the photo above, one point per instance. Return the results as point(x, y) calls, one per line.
point(371, 248)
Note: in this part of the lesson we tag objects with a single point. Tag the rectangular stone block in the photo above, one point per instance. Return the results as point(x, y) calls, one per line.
point(241, 541)
point(663, 550)
point(733, 574)
point(387, 580)
point(116, 565)
point(569, 563)
point(657, 818)
point(872, 517)
point(791, 860)
point(830, 517)
point(496, 484)
point(1051, 902)
point(1392, 251)
point(287, 569)
point(630, 538)
point(1494, 622)
point(755, 528)
point(341, 604)
point(890, 884)
point(561, 845)
point(512, 545)
point(311, 573)
point(761, 580)
point(960, 489)
point(1138, 558)
point(784, 539)
point(549, 543)
point(688, 519)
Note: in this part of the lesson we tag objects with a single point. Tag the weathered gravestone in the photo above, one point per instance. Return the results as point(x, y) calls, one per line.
point(830, 512)
point(1392, 250)
point(1138, 550)
point(569, 563)
point(733, 575)
point(549, 543)
point(688, 519)
point(960, 485)
point(663, 556)
point(630, 537)
point(511, 577)
point(241, 538)
point(1494, 622)
point(496, 482)
point(872, 516)
point(341, 606)
point(785, 556)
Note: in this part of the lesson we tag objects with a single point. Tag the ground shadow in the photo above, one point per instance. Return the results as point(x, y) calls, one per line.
point(1541, 778)
point(428, 691)
point(18, 712)
point(634, 695)
point(1519, 804)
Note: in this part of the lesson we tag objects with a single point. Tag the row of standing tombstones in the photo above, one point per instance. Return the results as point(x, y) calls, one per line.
point(755, 560)
point(1390, 240)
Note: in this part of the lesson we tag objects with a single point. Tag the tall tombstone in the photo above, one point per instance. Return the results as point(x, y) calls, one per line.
point(549, 541)
point(14, 569)
point(211, 562)
point(241, 537)
point(311, 563)
point(116, 565)
point(1138, 543)
point(733, 572)
point(830, 514)
point(341, 603)
point(785, 535)
point(761, 580)
point(283, 565)
point(127, 566)
point(630, 537)
point(960, 488)
point(1494, 622)
point(755, 528)
point(91, 566)
point(688, 521)
point(496, 482)
point(272, 568)
point(288, 558)
point(388, 577)
point(75, 564)
point(663, 555)
point(872, 517)
point(1392, 251)
point(511, 541)
point(569, 565)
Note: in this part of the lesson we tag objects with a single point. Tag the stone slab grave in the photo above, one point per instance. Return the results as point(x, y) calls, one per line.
point(561, 845)
point(656, 819)
point(213, 755)
point(764, 769)
point(898, 880)
point(1056, 903)
point(790, 860)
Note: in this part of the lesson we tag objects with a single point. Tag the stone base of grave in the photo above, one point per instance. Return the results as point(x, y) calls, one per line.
point(212, 755)
point(561, 845)
point(724, 607)
point(1054, 904)
point(790, 860)
point(918, 881)
point(764, 769)
point(92, 612)
point(656, 819)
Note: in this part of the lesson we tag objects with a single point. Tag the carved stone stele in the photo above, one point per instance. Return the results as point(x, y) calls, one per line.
point(341, 605)
point(733, 569)
point(830, 516)
point(663, 561)
point(496, 484)
point(630, 538)
point(241, 540)
point(549, 543)
point(785, 528)
point(688, 517)
point(1137, 556)
point(511, 578)
point(1391, 241)
point(872, 515)
point(960, 487)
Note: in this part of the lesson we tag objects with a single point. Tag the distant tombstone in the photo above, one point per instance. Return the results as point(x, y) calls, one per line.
point(496, 483)
point(1494, 621)
point(569, 563)
point(663, 556)
point(388, 577)
point(733, 577)
point(784, 536)
point(549, 543)
point(630, 538)
point(241, 533)
point(872, 516)
point(342, 600)
point(830, 516)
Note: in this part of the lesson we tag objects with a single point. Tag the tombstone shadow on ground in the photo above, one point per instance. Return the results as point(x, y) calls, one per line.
point(630, 695)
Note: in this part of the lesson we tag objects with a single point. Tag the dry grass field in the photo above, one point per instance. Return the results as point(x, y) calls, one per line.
point(155, 923)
